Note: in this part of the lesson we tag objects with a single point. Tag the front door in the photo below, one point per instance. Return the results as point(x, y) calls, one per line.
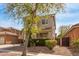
point(65, 41)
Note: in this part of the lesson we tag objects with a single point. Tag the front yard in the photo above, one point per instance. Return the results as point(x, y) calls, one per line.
point(16, 50)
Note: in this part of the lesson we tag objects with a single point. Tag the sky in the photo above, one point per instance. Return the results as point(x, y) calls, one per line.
point(7, 21)
point(70, 16)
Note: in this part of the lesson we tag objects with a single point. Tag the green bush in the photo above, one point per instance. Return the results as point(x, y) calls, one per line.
point(50, 43)
point(43, 42)
point(39, 42)
point(75, 43)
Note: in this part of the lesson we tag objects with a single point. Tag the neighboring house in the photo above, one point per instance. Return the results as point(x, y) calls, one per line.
point(10, 36)
point(47, 26)
point(71, 34)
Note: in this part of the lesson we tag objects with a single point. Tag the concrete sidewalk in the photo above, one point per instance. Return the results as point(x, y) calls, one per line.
point(8, 45)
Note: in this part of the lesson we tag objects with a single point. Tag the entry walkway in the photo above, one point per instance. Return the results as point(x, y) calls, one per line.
point(58, 50)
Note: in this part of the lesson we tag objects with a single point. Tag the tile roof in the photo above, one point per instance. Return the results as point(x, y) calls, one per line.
point(72, 27)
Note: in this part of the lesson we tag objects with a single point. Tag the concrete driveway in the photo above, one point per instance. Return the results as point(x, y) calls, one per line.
point(6, 51)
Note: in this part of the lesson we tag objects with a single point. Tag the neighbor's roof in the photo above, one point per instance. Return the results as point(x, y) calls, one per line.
point(8, 33)
point(72, 27)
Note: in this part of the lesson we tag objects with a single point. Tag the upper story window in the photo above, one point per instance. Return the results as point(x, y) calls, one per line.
point(44, 21)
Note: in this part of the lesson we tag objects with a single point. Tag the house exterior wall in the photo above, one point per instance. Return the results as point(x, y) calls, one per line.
point(48, 28)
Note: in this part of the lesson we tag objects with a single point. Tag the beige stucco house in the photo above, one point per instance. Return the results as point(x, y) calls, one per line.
point(47, 26)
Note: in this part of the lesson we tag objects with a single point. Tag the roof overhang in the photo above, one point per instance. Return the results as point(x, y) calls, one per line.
point(8, 33)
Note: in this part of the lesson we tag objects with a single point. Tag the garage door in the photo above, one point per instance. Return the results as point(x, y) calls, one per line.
point(1, 40)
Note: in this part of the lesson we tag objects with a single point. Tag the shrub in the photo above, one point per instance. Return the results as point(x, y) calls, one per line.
point(75, 43)
point(50, 43)
point(39, 42)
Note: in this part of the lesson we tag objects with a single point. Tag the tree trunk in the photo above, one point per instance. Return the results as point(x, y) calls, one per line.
point(30, 39)
point(26, 44)
point(24, 53)
point(33, 14)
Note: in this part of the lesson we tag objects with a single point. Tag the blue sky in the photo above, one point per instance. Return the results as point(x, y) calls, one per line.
point(7, 21)
point(69, 17)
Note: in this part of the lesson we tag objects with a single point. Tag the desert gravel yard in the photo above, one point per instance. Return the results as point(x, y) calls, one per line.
point(16, 50)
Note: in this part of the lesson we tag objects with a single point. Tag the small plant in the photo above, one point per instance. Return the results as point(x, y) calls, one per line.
point(75, 43)
point(50, 43)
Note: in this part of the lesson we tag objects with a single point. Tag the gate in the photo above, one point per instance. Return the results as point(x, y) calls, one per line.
point(65, 41)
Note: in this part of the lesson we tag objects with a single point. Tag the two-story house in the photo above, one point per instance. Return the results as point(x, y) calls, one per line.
point(47, 26)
